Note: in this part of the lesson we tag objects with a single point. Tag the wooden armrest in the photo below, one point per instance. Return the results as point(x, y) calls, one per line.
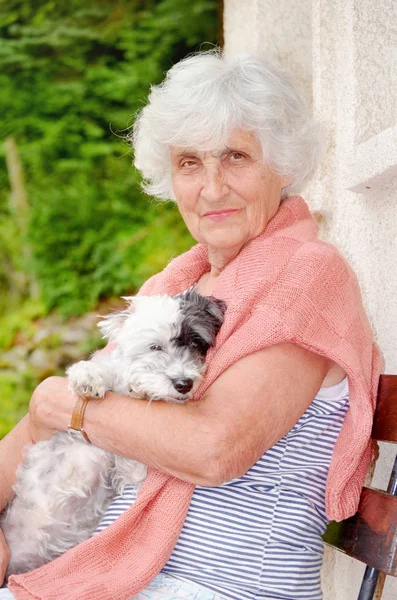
point(385, 418)
point(371, 534)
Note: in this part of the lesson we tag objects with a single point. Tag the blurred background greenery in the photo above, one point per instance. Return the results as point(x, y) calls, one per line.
point(75, 229)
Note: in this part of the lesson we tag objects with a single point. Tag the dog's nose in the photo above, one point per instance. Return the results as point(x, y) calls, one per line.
point(183, 386)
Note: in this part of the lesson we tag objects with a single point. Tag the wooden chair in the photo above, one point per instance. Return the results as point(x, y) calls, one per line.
point(371, 534)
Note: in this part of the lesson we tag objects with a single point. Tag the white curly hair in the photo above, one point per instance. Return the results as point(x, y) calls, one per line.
point(205, 97)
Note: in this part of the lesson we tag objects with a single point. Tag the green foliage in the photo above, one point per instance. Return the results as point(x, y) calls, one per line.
point(20, 320)
point(73, 73)
point(14, 397)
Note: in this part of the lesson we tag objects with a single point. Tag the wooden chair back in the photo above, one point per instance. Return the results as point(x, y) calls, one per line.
point(371, 534)
point(385, 419)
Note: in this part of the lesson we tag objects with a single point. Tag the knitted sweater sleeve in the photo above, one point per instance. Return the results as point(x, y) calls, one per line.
point(147, 289)
point(327, 317)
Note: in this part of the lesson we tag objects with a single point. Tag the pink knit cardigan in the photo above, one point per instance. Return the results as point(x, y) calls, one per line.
point(284, 286)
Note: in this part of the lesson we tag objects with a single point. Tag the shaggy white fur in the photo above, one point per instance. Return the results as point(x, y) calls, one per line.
point(65, 485)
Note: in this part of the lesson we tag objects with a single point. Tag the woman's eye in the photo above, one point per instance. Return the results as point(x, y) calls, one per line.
point(155, 347)
point(188, 164)
point(236, 156)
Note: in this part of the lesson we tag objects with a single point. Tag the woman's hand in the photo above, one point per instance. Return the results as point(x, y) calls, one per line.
point(50, 408)
point(4, 557)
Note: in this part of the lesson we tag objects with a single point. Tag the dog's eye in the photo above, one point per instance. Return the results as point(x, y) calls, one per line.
point(155, 347)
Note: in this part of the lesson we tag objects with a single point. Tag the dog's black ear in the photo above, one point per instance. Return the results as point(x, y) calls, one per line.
point(114, 322)
point(217, 309)
point(208, 304)
point(203, 318)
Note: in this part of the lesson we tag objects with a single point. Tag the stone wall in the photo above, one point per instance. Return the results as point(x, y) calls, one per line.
point(344, 58)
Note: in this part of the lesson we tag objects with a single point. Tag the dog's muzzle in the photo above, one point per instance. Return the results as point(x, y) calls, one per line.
point(183, 386)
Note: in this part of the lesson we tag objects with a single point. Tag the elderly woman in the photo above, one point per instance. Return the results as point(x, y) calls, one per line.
point(244, 478)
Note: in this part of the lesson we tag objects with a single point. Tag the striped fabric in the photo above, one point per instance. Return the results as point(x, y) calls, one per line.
point(117, 507)
point(258, 537)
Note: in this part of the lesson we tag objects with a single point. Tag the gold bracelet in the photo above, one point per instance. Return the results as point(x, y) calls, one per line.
point(76, 422)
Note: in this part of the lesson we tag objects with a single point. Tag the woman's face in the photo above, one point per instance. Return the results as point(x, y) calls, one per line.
point(226, 196)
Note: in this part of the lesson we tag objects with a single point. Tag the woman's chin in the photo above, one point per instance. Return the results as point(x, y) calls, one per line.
point(224, 240)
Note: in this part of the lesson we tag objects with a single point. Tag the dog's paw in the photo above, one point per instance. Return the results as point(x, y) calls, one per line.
point(86, 379)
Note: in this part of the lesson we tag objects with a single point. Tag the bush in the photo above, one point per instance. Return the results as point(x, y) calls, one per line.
point(72, 75)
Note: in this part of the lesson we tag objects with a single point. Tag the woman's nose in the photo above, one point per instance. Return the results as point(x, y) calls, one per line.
point(214, 185)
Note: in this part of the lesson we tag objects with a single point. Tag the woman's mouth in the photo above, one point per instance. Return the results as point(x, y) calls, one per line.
point(221, 215)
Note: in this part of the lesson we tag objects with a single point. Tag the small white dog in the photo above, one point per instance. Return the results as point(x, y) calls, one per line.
point(65, 485)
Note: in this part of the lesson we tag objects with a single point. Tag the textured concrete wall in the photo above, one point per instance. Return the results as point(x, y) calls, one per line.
point(344, 57)
point(260, 26)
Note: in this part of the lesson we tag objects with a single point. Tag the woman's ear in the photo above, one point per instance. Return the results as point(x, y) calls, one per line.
point(286, 180)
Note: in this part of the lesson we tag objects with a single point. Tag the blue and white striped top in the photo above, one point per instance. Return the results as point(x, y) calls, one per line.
point(258, 537)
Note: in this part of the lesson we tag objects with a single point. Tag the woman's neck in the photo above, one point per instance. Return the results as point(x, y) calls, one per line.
point(220, 258)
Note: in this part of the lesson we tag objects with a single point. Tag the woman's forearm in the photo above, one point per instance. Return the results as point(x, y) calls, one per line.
point(182, 440)
point(244, 412)
point(11, 455)
point(176, 439)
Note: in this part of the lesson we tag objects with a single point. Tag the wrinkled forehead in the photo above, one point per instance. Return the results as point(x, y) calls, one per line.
point(178, 153)
point(238, 139)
